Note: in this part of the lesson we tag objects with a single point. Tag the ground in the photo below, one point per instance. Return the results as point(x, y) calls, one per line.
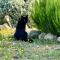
point(10, 49)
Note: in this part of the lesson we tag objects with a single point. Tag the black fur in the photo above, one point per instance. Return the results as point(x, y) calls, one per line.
point(20, 33)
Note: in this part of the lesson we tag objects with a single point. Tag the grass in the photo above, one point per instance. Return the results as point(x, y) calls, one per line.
point(46, 15)
point(10, 49)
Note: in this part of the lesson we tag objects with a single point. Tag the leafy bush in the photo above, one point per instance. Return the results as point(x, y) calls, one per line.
point(14, 9)
point(46, 15)
point(11, 8)
point(6, 32)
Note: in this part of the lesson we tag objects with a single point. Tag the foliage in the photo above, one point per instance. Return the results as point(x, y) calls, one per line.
point(6, 32)
point(18, 50)
point(46, 15)
point(11, 8)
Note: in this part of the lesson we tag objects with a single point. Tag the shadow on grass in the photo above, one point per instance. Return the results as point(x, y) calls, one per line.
point(43, 41)
point(36, 41)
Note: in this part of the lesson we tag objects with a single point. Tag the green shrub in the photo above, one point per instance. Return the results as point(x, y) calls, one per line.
point(12, 8)
point(46, 15)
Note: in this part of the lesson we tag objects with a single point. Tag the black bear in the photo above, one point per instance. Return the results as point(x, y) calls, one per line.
point(20, 33)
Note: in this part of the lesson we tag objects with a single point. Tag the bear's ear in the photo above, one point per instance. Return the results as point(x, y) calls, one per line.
point(25, 0)
point(19, 18)
point(26, 17)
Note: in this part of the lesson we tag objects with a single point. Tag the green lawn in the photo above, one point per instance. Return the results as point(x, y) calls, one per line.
point(38, 50)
